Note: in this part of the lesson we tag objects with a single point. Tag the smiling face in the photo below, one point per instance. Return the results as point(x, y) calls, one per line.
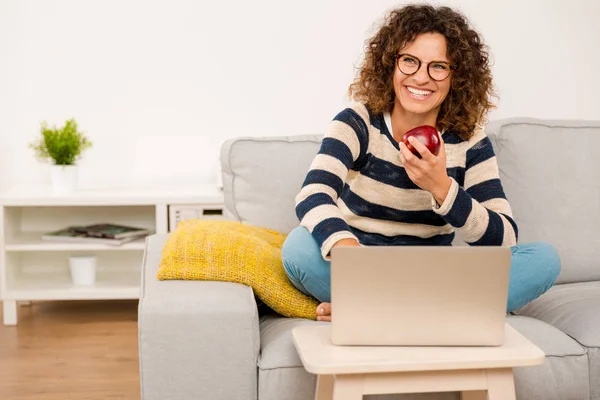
point(418, 94)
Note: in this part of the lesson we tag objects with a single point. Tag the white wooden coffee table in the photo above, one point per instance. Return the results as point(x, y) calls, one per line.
point(348, 372)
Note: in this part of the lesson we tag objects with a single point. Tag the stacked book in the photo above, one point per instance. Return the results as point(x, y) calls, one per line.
point(98, 233)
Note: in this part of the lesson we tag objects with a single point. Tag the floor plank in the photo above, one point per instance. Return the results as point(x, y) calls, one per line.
point(71, 350)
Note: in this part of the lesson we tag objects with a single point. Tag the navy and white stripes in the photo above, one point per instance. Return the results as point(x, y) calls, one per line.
point(357, 188)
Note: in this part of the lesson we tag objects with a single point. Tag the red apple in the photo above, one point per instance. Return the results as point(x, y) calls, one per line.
point(427, 135)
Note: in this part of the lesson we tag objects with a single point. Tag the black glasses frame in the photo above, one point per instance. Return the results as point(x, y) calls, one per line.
point(451, 67)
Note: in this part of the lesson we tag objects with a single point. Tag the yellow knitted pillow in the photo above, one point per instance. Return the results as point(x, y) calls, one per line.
point(229, 251)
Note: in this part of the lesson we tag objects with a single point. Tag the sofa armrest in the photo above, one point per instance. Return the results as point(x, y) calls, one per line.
point(197, 339)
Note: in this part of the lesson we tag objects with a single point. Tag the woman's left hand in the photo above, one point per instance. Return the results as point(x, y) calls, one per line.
point(429, 171)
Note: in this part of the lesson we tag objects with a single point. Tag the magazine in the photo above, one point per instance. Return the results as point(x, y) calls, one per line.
point(74, 234)
point(110, 231)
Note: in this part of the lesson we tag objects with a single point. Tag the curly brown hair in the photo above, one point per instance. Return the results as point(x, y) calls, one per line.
point(471, 89)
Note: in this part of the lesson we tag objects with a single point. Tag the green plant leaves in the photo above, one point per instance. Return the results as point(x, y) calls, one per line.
point(62, 146)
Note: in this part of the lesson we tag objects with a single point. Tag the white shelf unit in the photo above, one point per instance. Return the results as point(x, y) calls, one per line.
point(36, 269)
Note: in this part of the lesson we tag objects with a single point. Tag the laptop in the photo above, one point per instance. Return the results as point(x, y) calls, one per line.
point(419, 295)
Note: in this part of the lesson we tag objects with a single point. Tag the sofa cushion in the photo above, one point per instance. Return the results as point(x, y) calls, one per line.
point(550, 172)
point(276, 345)
point(563, 375)
point(552, 341)
point(230, 251)
point(263, 175)
point(574, 309)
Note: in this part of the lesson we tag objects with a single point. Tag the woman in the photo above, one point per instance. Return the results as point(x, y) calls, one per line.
point(425, 66)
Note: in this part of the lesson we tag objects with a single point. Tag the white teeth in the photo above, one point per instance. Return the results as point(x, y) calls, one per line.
point(419, 92)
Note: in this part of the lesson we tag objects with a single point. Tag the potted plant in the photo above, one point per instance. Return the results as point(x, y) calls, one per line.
point(63, 148)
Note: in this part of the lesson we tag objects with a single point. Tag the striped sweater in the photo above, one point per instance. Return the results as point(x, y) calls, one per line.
point(357, 188)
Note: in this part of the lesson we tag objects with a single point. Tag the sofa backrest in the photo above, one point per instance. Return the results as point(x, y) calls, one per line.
point(263, 175)
point(550, 171)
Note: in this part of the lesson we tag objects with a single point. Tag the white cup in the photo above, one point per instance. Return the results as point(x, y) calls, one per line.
point(83, 270)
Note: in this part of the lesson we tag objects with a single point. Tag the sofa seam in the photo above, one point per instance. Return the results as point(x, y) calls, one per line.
point(232, 185)
point(283, 367)
point(583, 346)
point(550, 123)
point(587, 124)
point(140, 315)
point(255, 324)
point(566, 355)
point(541, 123)
point(589, 362)
point(273, 139)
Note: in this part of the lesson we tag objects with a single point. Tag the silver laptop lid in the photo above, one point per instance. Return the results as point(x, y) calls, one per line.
point(424, 295)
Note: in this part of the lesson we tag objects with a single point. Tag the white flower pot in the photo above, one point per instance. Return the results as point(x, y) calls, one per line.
point(64, 179)
point(83, 270)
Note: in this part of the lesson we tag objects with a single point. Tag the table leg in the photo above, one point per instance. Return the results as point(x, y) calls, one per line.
point(501, 385)
point(10, 312)
point(348, 387)
point(324, 387)
point(474, 395)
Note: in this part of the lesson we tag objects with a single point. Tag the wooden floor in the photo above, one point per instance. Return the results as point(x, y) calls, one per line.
point(71, 350)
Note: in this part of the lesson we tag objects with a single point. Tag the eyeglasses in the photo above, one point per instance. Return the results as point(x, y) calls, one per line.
point(437, 70)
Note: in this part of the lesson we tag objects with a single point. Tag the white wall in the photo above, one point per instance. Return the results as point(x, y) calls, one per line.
point(159, 85)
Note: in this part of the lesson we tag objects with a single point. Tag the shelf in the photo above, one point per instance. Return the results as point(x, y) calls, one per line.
point(124, 285)
point(35, 269)
point(33, 195)
point(32, 241)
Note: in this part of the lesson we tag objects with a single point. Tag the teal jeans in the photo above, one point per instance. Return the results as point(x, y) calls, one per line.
point(534, 268)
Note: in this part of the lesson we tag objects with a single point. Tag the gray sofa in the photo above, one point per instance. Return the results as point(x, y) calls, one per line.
point(211, 340)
